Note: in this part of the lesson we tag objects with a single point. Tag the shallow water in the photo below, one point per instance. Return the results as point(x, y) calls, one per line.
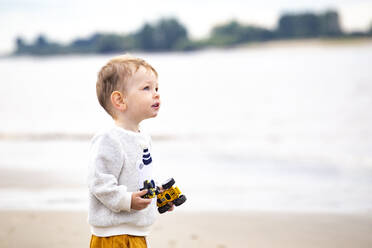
point(262, 129)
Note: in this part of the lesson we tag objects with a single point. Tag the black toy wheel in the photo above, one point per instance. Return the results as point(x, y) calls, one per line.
point(169, 183)
point(180, 200)
point(164, 208)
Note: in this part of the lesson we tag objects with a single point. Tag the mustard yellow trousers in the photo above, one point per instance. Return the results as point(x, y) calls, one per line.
point(120, 241)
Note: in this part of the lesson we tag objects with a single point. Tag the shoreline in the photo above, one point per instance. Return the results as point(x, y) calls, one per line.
point(328, 42)
point(185, 229)
point(307, 42)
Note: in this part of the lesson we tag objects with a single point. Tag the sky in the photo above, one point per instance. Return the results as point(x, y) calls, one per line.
point(63, 21)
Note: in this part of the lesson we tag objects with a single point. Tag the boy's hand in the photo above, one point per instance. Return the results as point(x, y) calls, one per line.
point(161, 189)
point(139, 203)
point(172, 206)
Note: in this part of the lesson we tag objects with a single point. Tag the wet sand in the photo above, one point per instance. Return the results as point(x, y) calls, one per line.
point(56, 229)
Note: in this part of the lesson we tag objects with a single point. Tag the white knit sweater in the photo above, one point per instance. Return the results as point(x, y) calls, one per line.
point(120, 161)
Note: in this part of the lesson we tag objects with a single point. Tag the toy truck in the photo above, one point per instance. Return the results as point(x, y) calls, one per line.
point(170, 194)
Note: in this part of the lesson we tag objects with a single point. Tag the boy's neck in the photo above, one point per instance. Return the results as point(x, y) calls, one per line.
point(128, 125)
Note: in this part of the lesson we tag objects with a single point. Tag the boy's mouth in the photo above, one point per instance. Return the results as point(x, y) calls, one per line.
point(156, 105)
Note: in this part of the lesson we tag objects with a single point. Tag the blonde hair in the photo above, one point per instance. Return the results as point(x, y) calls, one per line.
point(114, 76)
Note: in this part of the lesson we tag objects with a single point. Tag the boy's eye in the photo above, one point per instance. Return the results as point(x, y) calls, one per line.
point(146, 88)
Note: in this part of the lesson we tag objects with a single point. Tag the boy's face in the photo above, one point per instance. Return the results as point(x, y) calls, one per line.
point(142, 97)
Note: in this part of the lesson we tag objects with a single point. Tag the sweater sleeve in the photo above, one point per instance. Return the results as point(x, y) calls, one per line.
point(106, 162)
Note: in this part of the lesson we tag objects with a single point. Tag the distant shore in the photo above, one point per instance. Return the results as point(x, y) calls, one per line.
point(205, 230)
point(315, 42)
point(309, 43)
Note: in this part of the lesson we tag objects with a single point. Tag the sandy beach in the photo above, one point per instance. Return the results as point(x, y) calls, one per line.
point(56, 229)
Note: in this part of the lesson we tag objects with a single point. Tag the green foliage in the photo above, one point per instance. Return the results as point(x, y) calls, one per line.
point(234, 33)
point(170, 35)
point(41, 46)
point(110, 43)
point(163, 36)
point(330, 24)
point(309, 25)
point(228, 34)
point(145, 37)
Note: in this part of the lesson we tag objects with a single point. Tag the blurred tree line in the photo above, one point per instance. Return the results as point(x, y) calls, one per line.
point(170, 35)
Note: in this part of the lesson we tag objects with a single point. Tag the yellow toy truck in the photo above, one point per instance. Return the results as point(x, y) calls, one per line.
point(169, 194)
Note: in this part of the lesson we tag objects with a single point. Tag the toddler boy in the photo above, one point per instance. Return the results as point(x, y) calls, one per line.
point(120, 157)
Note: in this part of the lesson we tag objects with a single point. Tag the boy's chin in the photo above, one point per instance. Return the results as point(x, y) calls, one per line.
point(152, 116)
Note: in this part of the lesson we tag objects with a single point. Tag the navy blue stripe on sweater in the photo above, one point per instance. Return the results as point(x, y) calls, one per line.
point(147, 161)
point(146, 155)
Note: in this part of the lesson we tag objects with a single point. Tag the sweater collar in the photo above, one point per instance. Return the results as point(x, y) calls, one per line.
point(129, 132)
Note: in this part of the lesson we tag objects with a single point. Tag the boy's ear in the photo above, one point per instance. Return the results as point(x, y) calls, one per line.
point(118, 100)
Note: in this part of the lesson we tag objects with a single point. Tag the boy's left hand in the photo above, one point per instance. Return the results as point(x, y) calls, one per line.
point(172, 206)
